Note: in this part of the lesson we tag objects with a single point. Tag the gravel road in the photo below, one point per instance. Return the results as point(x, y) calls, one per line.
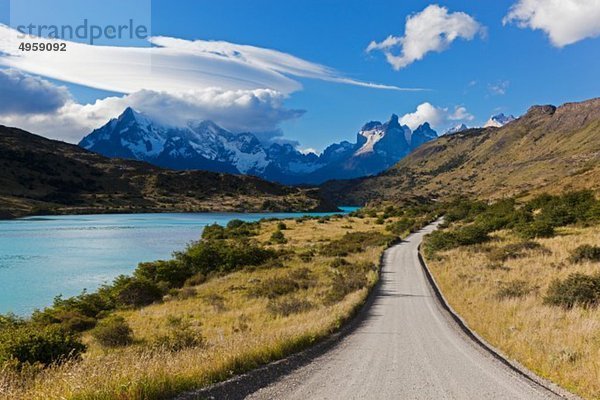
point(407, 347)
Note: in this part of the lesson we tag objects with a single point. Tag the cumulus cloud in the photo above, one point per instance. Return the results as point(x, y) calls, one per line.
point(259, 110)
point(171, 64)
point(26, 94)
point(438, 117)
point(564, 21)
point(432, 29)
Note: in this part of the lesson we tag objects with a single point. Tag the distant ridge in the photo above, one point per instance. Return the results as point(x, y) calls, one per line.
point(42, 176)
point(548, 149)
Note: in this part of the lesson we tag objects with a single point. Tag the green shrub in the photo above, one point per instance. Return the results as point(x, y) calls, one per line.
point(463, 209)
point(209, 256)
point(236, 228)
point(113, 332)
point(80, 311)
point(10, 320)
point(281, 226)
point(172, 272)
point(513, 289)
point(576, 290)
point(73, 320)
point(402, 226)
point(568, 208)
point(535, 229)
point(585, 252)
point(472, 234)
point(32, 344)
point(134, 292)
point(214, 231)
point(355, 242)
point(278, 237)
point(502, 214)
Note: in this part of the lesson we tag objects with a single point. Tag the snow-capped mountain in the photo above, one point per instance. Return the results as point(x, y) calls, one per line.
point(498, 120)
point(421, 135)
point(205, 145)
point(456, 129)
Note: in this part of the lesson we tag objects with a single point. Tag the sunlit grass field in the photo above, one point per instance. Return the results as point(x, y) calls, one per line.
point(239, 321)
point(502, 300)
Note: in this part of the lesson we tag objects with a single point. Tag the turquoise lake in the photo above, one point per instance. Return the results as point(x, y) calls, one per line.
point(42, 257)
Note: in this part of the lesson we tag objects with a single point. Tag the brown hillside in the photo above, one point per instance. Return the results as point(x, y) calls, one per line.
point(38, 175)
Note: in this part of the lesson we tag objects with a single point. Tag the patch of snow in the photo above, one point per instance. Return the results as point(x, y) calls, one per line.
point(373, 136)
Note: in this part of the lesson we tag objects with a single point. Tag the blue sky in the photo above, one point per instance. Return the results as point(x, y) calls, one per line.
point(503, 68)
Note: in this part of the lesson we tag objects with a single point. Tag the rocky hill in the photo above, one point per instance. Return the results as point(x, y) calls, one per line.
point(547, 149)
point(41, 176)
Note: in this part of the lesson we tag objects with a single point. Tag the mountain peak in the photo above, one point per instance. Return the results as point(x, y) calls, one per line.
point(393, 122)
point(423, 126)
point(369, 126)
point(129, 115)
point(456, 129)
point(499, 120)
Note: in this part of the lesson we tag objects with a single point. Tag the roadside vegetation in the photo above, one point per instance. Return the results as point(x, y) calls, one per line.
point(526, 276)
point(242, 296)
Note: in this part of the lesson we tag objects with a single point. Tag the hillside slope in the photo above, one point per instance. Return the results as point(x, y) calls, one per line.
point(548, 149)
point(41, 176)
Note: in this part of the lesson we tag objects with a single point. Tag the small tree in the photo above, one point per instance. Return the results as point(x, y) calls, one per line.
point(278, 237)
point(34, 344)
point(113, 332)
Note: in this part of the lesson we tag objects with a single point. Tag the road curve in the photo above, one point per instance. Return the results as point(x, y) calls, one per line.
point(407, 347)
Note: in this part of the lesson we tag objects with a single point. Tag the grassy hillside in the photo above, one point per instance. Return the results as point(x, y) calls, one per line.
point(199, 319)
point(548, 149)
point(39, 175)
point(526, 277)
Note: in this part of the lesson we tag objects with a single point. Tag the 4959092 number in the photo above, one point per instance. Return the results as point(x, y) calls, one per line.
point(43, 46)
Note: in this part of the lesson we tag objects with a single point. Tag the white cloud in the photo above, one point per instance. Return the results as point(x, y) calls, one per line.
point(237, 110)
point(564, 21)
point(308, 150)
point(172, 65)
point(241, 88)
point(460, 114)
point(438, 117)
point(433, 29)
point(26, 94)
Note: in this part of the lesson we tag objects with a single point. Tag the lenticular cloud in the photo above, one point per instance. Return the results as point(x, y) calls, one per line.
point(171, 65)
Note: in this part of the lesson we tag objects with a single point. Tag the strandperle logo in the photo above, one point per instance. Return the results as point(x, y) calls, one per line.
point(86, 31)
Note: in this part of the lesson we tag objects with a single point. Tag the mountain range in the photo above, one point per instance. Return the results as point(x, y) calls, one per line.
point(43, 176)
point(549, 149)
point(206, 146)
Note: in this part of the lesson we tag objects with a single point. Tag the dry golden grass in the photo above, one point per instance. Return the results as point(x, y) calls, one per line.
point(561, 345)
point(239, 330)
